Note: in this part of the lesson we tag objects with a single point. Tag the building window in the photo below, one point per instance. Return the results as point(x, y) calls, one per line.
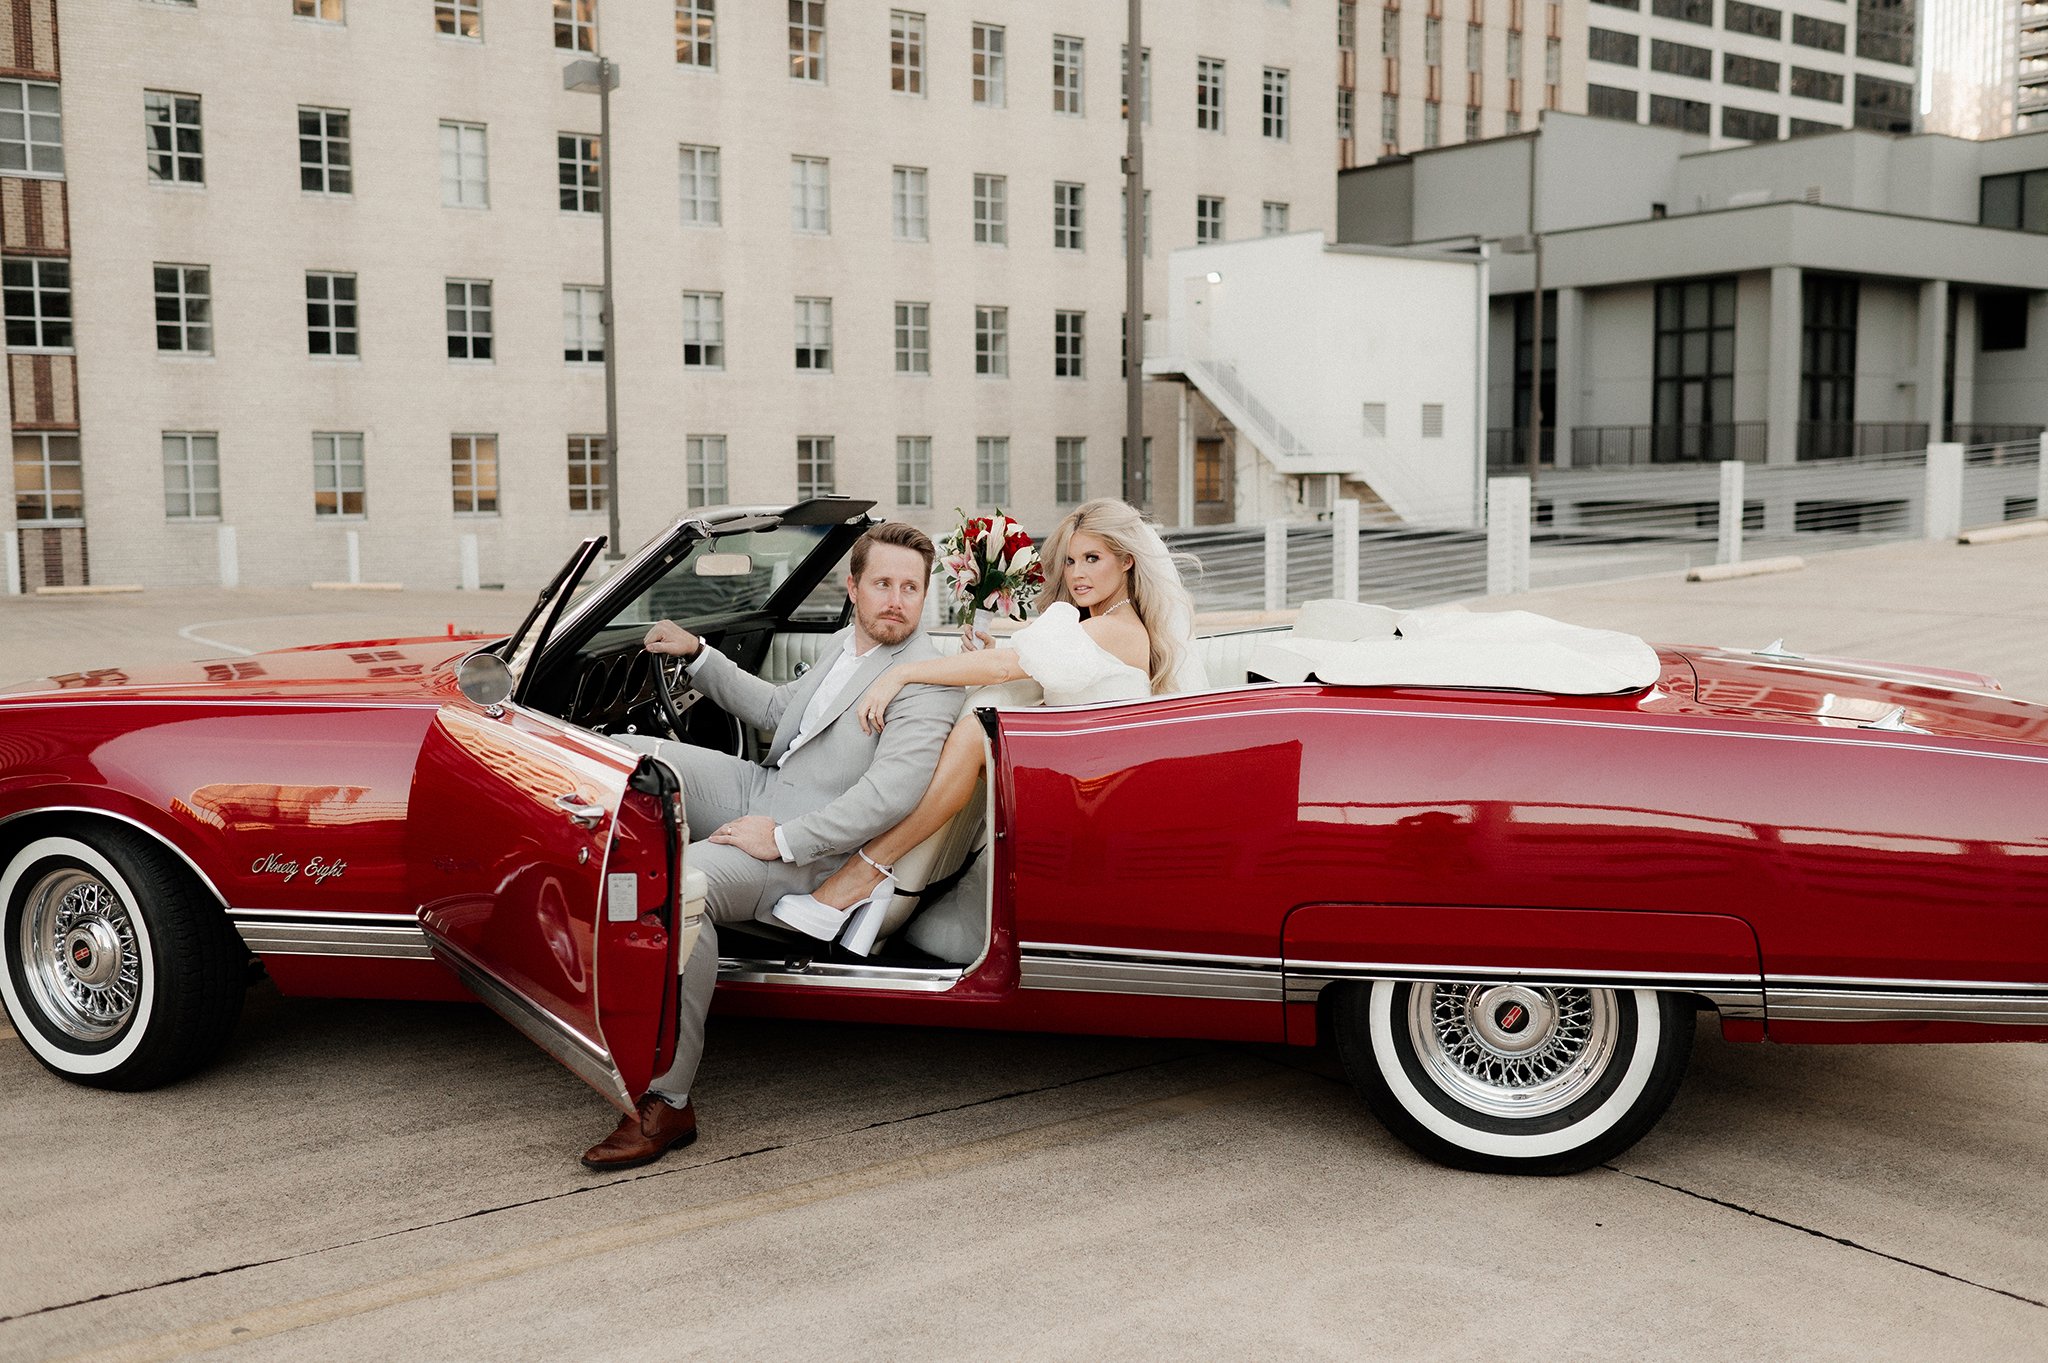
point(184, 310)
point(697, 168)
point(1209, 94)
point(1070, 470)
point(1604, 101)
point(697, 33)
point(1067, 337)
point(1553, 61)
point(2018, 201)
point(1273, 104)
point(1530, 366)
point(1827, 378)
point(908, 204)
point(913, 470)
point(1884, 31)
point(991, 210)
point(1821, 34)
point(324, 164)
point(191, 475)
point(1432, 123)
point(807, 40)
point(814, 468)
point(1685, 11)
point(1390, 120)
point(1208, 219)
point(1390, 32)
point(1347, 119)
point(704, 469)
point(32, 128)
point(1144, 223)
point(1066, 76)
point(469, 319)
point(465, 166)
point(1806, 127)
point(1475, 48)
point(338, 486)
point(474, 459)
point(2001, 320)
point(991, 470)
point(913, 338)
point(1347, 25)
point(1694, 390)
point(1752, 73)
point(1630, 5)
point(992, 342)
point(1144, 84)
point(576, 25)
point(1514, 54)
point(703, 331)
point(1686, 115)
point(1212, 476)
point(326, 11)
point(1681, 59)
point(582, 324)
point(1471, 123)
point(331, 314)
point(1606, 45)
point(1511, 121)
point(1884, 105)
point(1066, 216)
point(459, 19)
point(1739, 16)
point(588, 486)
point(810, 194)
point(49, 479)
point(171, 136)
point(576, 172)
point(1748, 124)
point(38, 301)
point(814, 334)
point(906, 52)
point(1432, 41)
point(1808, 84)
point(988, 66)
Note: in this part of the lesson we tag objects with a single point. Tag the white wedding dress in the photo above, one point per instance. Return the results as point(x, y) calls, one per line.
point(1069, 666)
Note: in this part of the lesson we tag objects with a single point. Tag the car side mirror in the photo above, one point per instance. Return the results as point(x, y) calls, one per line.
point(723, 565)
point(485, 679)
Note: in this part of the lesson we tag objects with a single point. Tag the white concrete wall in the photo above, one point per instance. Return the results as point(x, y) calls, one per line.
point(1620, 350)
point(2012, 385)
point(1887, 349)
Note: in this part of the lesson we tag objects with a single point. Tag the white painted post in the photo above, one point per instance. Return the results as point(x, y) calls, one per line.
point(472, 574)
point(229, 555)
point(1344, 549)
point(1276, 565)
point(13, 563)
point(2040, 482)
point(1730, 548)
point(1942, 517)
point(355, 557)
point(1507, 536)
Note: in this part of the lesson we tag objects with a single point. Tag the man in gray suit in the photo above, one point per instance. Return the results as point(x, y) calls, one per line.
point(782, 825)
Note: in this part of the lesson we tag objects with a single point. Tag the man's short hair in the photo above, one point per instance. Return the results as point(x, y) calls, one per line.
point(892, 532)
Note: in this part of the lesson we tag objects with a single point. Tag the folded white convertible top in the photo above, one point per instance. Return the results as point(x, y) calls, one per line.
point(1495, 651)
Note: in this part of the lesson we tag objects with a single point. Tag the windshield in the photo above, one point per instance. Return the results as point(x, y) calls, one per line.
point(749, 566)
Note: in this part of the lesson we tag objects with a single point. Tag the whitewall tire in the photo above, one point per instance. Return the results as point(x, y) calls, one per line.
point(1511, 1078)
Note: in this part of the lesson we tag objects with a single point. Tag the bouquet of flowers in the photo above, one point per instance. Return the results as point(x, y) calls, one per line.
point(990, 565)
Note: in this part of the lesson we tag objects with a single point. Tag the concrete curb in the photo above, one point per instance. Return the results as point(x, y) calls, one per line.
point(111, 589)
point(357, 586)
point(1721, 572)
point(2000, 534)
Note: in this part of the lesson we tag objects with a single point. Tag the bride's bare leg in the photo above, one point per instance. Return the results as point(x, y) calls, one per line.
point(952, 785)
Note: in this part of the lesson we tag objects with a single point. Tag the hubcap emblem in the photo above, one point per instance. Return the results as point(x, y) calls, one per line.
point(1512, 1018)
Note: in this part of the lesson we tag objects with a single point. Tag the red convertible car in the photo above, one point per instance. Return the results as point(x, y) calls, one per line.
point(1504, 877)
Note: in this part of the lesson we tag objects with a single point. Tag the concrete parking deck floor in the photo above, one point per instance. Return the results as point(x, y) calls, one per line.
point(376, 1181)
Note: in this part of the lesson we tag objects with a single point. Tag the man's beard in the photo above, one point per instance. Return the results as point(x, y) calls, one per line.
point(890, 632)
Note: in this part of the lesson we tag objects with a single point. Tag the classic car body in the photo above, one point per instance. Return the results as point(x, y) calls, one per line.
point(1506, 904)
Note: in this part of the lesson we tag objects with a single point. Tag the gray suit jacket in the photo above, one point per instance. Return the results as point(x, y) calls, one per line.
point(843, 786)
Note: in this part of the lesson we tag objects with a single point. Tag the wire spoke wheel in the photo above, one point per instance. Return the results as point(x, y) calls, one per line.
point(1513, 1050)
point(83, 963)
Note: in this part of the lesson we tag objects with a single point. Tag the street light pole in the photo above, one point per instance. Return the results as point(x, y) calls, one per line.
point(1135, 491)
point(601, 75)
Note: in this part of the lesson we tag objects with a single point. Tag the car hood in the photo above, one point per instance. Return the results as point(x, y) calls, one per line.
point(1852, 692)
point(390, 671)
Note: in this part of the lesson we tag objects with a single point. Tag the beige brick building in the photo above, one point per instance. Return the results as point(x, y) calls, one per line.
point(290, 276)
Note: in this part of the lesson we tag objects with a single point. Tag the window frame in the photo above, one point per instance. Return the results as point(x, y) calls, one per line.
point(1208, 219)
point(1069, 75)
point(813, 350)
point(41, 318)
point(582, 324)
point(1069, 343)
point(575, 20)
point(816, 453)
point(190, 466)
point(699, 165)
point(334, 463)
point(479, 344)
point(913, 336)
point(804, 187)
point(807, 41)
point(579, 186)
point(704, 329)
point(333, 329)
point(327, 169)
point(184, 297)
point(697, 34)
point(1069, 470)
point(907, 46)
point(991, 470)
point(707, 472)
point(31, 120)
point(914, 472)
point(465, 452)
point(1268, 217)
point(1210, 74)
point(1069, 215)
point(991, 341)
point(989, 67)
point(174, 125)
point(463, 158)
point(991, 209)
point(910, 203)
point(49, 492)
point(588, 459)
point(448, 16)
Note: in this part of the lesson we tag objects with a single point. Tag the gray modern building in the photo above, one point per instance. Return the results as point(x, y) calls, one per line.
point(1847, 294)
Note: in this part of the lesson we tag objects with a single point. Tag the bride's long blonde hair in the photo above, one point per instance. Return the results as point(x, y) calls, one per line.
point(1157, 594)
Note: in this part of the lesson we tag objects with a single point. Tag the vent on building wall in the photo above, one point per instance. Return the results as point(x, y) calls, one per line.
point(1375, 418)
point(1812, 193)
point(1432, 419)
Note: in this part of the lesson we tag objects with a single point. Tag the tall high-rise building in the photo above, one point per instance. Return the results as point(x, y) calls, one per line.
point(295, 287)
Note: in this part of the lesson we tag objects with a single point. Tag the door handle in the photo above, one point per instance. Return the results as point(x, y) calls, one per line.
point(580, 811)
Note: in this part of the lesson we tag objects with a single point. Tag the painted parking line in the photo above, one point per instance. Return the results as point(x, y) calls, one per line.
point(610, 1240)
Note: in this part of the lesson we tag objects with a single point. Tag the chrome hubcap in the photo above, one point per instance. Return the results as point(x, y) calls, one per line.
point(79, 949)
point(1513, 1050)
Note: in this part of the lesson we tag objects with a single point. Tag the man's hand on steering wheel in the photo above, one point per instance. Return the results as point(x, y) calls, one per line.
point(666, 636)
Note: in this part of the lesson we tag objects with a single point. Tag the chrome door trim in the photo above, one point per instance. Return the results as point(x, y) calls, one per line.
point(1118, 970)
point(1736, 996)
point(838, 975)
point(310, 932)
point(590, 1061)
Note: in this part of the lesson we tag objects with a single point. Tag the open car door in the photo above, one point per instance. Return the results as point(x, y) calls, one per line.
point(547, 864)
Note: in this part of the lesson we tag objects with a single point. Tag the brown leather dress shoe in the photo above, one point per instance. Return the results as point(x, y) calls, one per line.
point(644, 1136)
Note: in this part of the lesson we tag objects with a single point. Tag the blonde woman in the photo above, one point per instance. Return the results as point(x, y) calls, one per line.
point(1120, 625)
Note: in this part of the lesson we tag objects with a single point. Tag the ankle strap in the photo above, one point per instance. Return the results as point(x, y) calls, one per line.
point(862, 853)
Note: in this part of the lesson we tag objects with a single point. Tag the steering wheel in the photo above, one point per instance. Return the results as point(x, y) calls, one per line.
point(673, 694)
